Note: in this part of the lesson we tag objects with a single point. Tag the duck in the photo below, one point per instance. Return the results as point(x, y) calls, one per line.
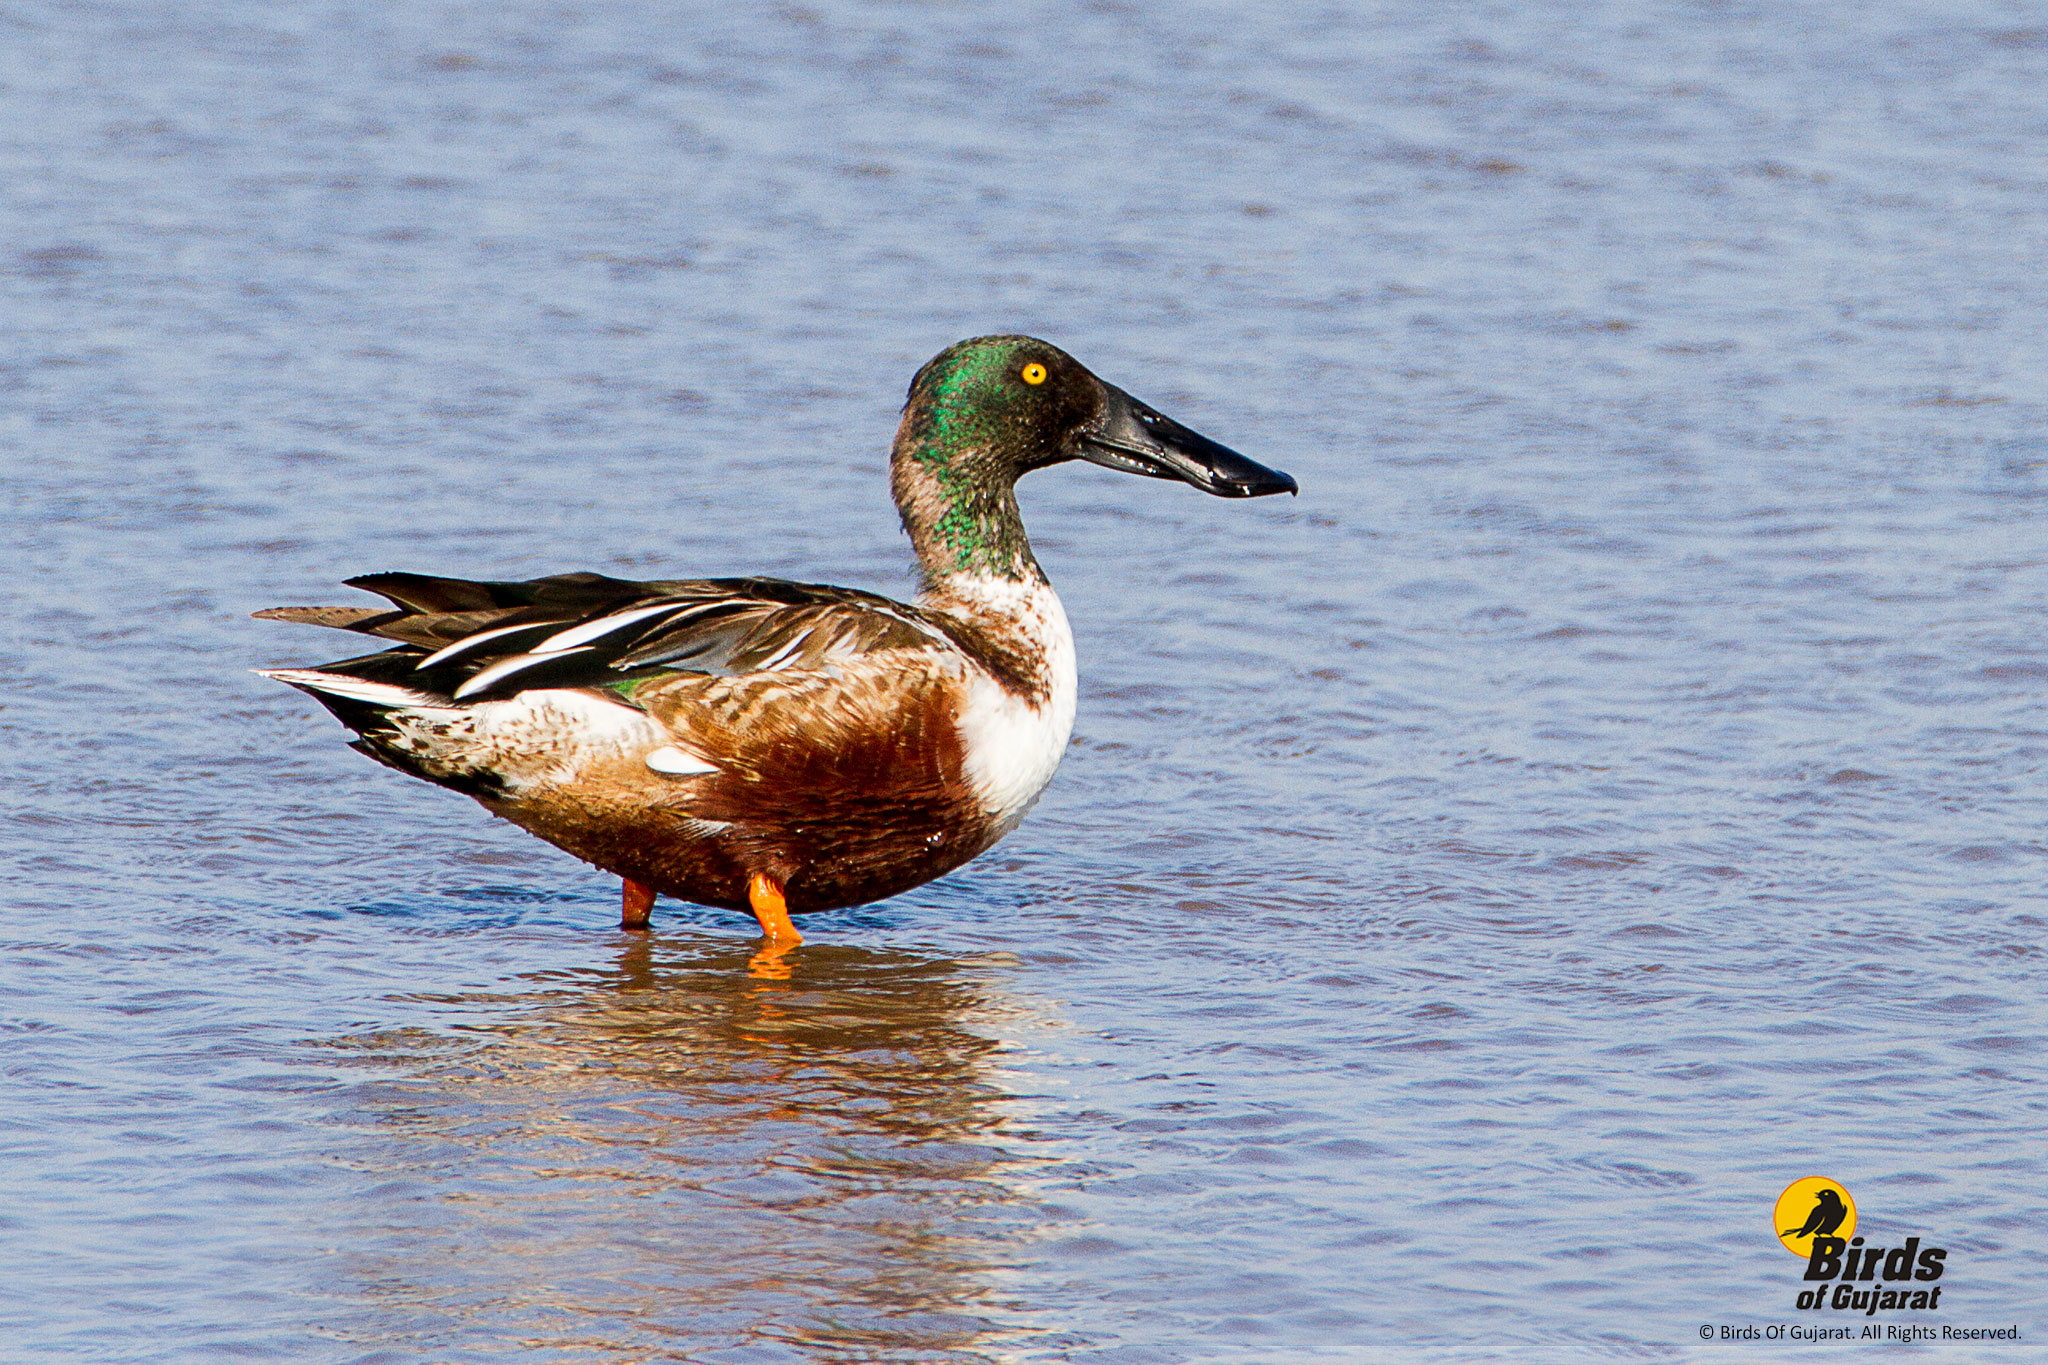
point(763, 745)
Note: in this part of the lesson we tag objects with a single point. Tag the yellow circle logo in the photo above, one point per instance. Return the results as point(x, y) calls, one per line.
point(1810, 1208)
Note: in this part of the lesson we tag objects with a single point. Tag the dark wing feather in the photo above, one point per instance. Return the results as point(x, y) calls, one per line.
point(574, 592)
point(472, 641)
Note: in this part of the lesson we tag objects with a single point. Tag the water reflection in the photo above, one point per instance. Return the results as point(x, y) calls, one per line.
point(672, 1155)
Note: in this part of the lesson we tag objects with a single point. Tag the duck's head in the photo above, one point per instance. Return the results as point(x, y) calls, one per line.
point(988, 410)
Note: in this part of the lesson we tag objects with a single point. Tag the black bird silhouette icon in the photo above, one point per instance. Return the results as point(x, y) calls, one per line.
point(1828, 1213)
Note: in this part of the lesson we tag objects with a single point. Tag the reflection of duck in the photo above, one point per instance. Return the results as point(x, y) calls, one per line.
point(749, 742)
point(676, 1160)
point(1828, 1213)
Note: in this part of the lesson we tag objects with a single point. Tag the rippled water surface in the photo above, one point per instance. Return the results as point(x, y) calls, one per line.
point(1612, 790)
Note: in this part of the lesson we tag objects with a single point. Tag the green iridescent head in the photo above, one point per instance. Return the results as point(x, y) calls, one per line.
point(984, 412)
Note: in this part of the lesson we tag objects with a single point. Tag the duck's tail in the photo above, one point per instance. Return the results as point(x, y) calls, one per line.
point(398, 723)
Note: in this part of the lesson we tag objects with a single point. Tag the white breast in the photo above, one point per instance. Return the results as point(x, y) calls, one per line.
point(1012, 745)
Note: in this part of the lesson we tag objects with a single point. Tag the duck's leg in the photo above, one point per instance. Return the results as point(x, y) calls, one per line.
point(636, 903)
point(773, 912)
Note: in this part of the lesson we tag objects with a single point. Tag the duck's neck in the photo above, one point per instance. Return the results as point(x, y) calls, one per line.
point(977, 565)
point(959, 504)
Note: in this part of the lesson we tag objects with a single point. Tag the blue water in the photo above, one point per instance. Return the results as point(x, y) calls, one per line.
point(1611, 791)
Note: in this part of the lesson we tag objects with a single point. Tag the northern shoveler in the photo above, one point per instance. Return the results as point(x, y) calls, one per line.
point(760, 744)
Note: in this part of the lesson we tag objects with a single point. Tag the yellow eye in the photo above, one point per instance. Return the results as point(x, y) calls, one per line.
point(1034, 373)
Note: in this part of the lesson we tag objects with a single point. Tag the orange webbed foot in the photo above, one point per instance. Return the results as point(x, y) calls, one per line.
point(777, 933)
point(773, 912)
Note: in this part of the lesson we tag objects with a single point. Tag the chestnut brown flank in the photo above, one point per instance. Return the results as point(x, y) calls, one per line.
point(874, 806)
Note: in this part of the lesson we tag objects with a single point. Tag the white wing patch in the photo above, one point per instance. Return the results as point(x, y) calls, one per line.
point(466, 644)
point(678, 762)
point(505, 668)
point(355, 689)
point(601, 627)
point(782, 657)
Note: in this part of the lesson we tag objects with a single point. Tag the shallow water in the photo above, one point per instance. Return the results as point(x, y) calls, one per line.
point(1611, 791)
